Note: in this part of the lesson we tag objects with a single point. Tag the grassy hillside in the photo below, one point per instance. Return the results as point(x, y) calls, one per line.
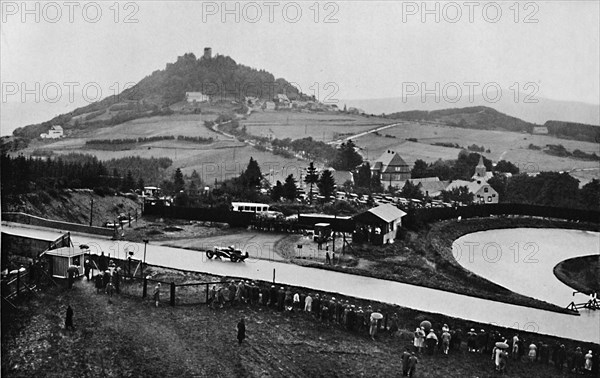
point(71, 206)
point(485, 118)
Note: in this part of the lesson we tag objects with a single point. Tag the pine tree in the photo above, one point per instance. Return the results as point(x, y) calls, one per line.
point(290, 189)
point(326, 184)
point(363, 176)
point(178, 182)
point(347, 158)
point(141, 184)
point(128, 183)
point(277, 192)
point(252, 176)
point(312, 177)
point(195, 178)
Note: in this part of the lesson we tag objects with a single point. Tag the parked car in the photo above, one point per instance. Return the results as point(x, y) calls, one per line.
point(230, 252)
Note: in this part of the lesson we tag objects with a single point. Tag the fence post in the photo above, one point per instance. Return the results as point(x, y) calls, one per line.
point(172, 293)
point(145, 289)
point(206, 293)
point(18, 282)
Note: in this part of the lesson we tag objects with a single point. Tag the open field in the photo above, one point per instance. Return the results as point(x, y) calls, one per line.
point(220, 160)
point(502, 144)
point(320, 126)
point(129, 337)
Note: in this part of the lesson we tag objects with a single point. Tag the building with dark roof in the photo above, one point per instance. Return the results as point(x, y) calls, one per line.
point(391, 169)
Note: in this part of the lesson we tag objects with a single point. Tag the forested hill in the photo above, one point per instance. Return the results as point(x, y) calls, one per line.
point(219, 77)
point(476, 117)
point(485, 118)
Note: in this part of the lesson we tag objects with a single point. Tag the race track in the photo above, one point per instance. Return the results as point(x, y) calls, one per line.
point(584, 328)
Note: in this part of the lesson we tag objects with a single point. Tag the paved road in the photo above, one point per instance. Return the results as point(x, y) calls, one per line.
point(437, 301)
point(340, 141)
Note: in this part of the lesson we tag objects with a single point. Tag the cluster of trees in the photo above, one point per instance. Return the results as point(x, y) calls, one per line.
point(77, 171)
point(462, 168)
point(130, 140)
point(220, 77)
point(571, 130)
point(560, 150)
point(548, 188)
point(477, 148)
point(365, 182)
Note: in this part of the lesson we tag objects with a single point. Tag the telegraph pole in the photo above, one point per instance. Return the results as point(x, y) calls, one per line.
point(145, 244)
point(91, 210)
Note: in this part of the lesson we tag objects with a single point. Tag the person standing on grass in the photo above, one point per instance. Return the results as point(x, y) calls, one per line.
point(588, 363)
point(86, 269)
point(515, 347)
point(404, 358)
point(71, 278)
point(419, 339)
point(98, 281)
point(117, 280)
point(69, 318)
point(412, 365)
point(373, 327)
point(431, 341)
point(577, 360)
point(241, 331)
point(327, 259)
point(157, 294)
point(102, 262)
point(297, 301)
point(239, 292)
point(110, 289)
point(532, 352)
point(308, 303)
point(561, 356)
point(446, 337)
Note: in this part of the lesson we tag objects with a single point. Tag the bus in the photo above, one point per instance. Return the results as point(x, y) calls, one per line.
point(250, 207)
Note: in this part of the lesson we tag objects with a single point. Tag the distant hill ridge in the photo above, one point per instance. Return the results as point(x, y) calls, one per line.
point(486, 118)
point(219, 77)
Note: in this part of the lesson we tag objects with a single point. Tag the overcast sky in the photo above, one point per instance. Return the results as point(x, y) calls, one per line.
point(368, 49)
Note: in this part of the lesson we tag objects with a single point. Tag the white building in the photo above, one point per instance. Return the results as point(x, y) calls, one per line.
point(55, 132)
point(196, 97)
point(482, 191)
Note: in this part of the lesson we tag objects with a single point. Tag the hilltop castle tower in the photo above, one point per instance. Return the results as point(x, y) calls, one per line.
point(207, 53)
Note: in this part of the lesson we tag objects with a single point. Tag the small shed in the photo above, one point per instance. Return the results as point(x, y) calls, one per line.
point(60, 259)
point(378, 225)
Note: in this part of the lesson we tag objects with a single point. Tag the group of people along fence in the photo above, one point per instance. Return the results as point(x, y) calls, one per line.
point(501, 350)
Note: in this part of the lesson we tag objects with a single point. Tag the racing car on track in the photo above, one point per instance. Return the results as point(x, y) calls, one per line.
point(227, 252)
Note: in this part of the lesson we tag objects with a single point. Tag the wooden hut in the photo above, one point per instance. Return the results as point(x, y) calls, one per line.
point(60, 259)
point(378, 225)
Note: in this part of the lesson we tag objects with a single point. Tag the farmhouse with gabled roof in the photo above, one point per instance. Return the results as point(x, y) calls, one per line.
point(391, 169)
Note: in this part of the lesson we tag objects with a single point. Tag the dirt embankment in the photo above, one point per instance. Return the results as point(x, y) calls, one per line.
point(580, 273)
point(72, 206)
